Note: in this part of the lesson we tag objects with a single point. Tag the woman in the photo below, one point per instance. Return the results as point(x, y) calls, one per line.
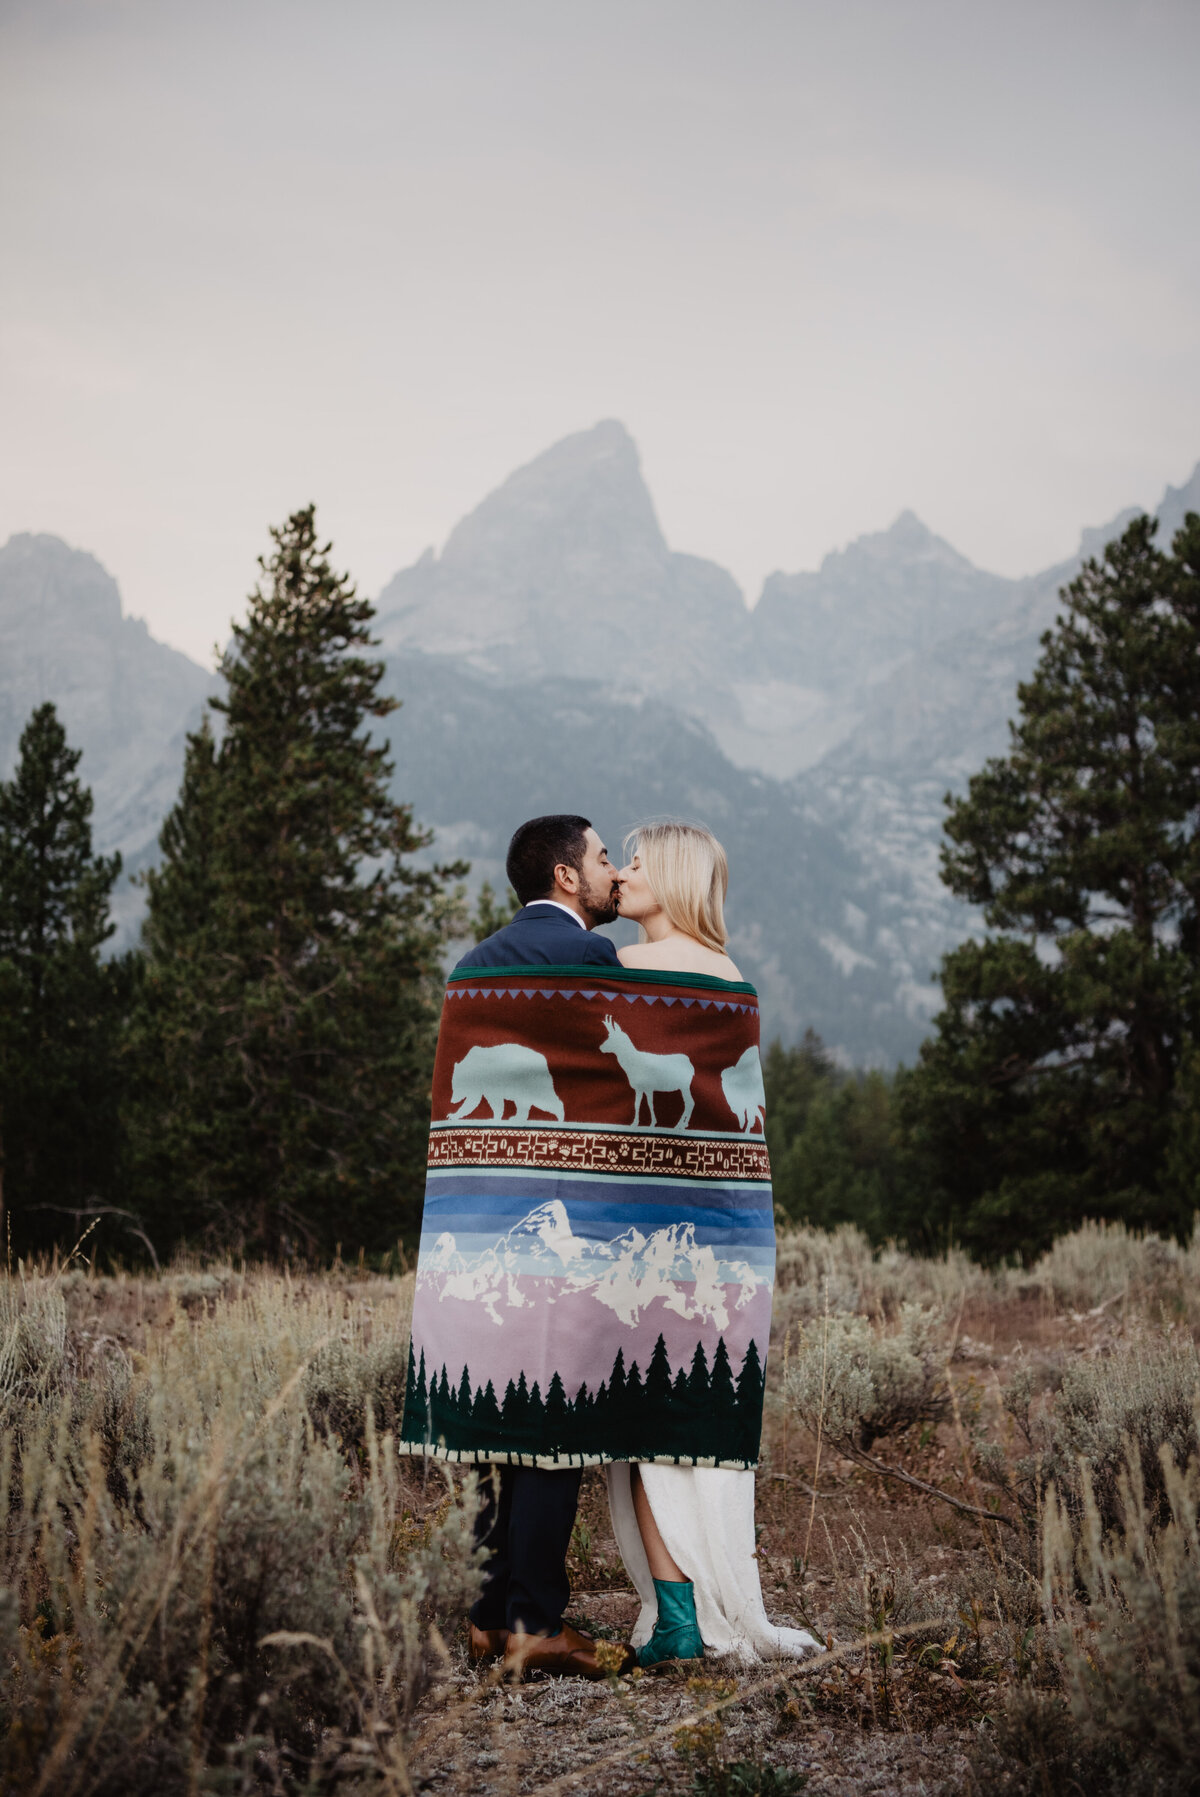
point(686, 1533)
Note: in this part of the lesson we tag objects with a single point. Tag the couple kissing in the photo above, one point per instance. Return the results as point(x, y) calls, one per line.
point(597, 1251)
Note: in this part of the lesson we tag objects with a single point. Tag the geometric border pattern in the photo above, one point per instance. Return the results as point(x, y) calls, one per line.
point(600, 1151)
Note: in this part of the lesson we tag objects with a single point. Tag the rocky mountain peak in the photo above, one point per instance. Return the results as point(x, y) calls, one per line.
point(905, 544)
point(1094, 537)
point(121, 695)
point(563, 571)
point(584, 496)
point(1176, 503)
point(43, 578)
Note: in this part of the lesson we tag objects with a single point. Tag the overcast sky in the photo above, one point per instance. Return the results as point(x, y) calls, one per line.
point(825, 261)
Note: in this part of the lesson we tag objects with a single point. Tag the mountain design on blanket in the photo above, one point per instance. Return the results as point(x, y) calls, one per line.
point(597, 1246)
point(541, 1260)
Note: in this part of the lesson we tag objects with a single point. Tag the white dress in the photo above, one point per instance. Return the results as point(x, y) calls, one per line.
point(705, 1516)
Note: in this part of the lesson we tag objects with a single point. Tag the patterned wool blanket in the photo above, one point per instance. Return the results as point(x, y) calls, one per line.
point(598, 1246)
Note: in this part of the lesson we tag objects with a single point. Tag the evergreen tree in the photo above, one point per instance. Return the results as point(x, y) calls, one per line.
point(410, 1384)
point(464, 1394)
point(616, 1391)
point(59, 1004)
point(831, 1137)
point(557, 1412)
point(697, 1385)
point(658, 1381)
point(284, 1039)
point(750, 1386)
point(486, 1412)
point(636, 1435)
point(583, 1420)
point(515, 1409)
point(490, 913)
point(1048, 1092)
point(721, 1395)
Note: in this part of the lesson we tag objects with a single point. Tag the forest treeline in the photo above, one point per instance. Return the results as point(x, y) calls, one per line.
point(660, 1413)
point(255, 1074)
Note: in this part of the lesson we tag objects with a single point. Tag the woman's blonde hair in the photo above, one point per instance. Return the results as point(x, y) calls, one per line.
point(688, 875)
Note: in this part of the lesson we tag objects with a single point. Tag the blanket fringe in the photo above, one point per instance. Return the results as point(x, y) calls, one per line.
point(418, 1450)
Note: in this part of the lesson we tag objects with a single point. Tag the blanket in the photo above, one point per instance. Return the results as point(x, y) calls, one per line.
point(597, 1249)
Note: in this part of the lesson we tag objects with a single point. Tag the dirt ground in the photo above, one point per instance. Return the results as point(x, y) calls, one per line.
point(867, 1551)
point(840, 1723)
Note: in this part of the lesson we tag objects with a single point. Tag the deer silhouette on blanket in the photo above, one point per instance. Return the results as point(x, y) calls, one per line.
point(506, 1073)
point(650, 1073)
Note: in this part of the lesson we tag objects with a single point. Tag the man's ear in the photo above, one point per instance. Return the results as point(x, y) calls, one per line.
point(566, 878)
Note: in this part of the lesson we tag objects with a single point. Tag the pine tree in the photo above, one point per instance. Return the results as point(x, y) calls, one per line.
point(1048, 1090)
point(410, 1385)
point(750, 1386)
point(285, 1038)
point(583, 1420)
point(635, 1411)
point(722, 1400)
point(486, 1412)
point(59, 1004)
point(697, 1385)
point(721, 1381)
point(556, 1413)
point(616, 1392)
point(658, 1383)
point(515, 1408)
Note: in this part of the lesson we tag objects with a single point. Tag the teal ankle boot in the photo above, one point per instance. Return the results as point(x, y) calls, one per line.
point(676, 1633)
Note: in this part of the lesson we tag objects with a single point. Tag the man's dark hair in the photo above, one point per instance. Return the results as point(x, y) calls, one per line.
point(540, 846)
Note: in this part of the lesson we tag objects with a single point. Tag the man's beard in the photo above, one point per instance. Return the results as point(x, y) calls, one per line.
point(600, 904)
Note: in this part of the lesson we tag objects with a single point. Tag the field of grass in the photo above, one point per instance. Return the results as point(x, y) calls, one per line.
point(979, 1488)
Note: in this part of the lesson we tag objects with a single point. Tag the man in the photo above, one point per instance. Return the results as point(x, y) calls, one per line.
point(559, 869)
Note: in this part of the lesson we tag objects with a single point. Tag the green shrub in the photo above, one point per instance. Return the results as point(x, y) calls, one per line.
point(199, 1583)
point(1136, 1401)
point(1128, 1600)
point(747, 1778)
point(1123, 1603)
point(1100, 1264)
point(855, 1383)
point(33, 1346)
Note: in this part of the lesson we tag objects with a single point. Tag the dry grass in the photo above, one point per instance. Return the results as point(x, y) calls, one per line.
point(218, 1576)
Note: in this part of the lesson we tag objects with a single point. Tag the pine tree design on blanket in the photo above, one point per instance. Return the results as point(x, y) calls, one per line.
point(595, 1307)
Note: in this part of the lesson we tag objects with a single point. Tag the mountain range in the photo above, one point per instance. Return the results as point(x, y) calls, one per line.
point(559, 655)
point(541, 1259)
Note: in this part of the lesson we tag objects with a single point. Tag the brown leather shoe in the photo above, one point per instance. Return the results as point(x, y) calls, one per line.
point(565, 1655)
point(485, 1644)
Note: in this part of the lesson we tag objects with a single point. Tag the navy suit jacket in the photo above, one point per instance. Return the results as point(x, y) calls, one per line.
point(542, 935)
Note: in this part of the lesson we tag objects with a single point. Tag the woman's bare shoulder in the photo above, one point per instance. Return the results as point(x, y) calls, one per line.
point(638, 954)
point(679, 956)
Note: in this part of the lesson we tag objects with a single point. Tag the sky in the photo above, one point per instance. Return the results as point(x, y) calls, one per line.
point(825, 261)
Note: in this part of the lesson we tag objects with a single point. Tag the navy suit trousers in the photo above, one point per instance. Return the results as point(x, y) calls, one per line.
point(525, 1522)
